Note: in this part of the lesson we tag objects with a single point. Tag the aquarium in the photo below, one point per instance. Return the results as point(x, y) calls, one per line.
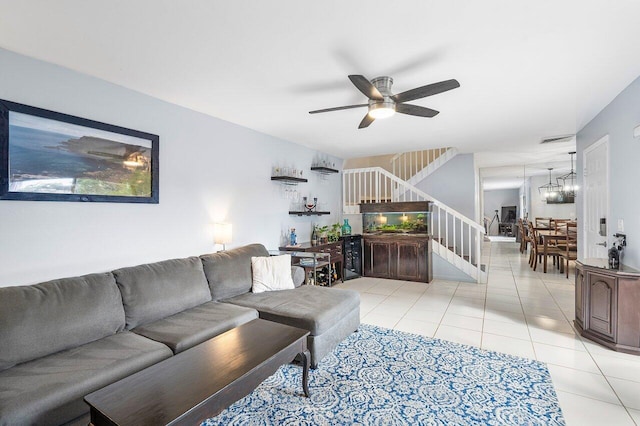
point(409, 217)
point(416, 222)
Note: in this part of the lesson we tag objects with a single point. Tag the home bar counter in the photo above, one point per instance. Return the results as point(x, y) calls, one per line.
point(608, 305)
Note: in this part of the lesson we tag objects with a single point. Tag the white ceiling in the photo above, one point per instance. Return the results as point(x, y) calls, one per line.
point(508, 169)
point(527, 70)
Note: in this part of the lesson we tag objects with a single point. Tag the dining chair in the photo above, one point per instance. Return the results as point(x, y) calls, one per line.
point(560, 225)
point(537, 249)
point(543, 222)
point(561, 228)
point(532, 242)
point(569, 246)
point(522, 229)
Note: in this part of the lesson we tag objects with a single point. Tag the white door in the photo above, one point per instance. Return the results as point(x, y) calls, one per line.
point(596, 199)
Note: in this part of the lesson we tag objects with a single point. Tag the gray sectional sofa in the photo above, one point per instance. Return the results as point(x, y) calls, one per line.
point(63, 339)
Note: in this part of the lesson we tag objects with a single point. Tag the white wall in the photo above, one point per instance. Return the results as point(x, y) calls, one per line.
point(618, 120)
point(210, 170)
point(454, 184)
point(495, 200)
point(383, 161)
point(539, 208)
point(524, 196)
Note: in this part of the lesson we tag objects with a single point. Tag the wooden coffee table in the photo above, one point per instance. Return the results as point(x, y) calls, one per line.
point(202, 381)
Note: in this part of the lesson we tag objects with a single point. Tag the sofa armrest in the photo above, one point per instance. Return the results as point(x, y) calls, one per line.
point(298, 276)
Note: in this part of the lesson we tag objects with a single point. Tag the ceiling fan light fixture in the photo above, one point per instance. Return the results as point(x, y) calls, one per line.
point(382, 109)
point(383, 103)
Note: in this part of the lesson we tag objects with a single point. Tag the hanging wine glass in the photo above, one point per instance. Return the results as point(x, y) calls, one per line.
point(310, 205)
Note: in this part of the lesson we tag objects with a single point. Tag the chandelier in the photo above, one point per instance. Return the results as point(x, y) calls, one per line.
point(550, 190)
point(569, 186)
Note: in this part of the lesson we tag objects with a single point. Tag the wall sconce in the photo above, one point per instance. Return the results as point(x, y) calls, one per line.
point(222, 233)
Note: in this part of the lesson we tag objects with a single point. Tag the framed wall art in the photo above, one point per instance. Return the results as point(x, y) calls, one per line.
point(51, 156)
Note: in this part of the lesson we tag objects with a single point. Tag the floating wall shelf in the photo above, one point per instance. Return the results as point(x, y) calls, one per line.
point(324, 170)
point(307, 213)
point(291, 180)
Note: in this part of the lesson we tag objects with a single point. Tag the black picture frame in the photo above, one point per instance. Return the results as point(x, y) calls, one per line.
point(51, 156)
point(561, 198)
point(509, 214)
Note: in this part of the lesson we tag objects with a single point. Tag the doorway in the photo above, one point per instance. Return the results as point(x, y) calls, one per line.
point(596, 198)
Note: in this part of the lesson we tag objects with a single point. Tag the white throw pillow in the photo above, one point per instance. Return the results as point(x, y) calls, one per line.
point(271, 273)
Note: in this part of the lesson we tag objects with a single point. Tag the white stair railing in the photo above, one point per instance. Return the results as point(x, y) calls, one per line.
point(406, 165)
point(456, 238)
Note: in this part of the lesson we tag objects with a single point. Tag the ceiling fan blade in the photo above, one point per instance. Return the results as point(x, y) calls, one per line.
point(416, 110)
point(365, 86)
point(366, 121)
point(424, 91)
point(338, 108)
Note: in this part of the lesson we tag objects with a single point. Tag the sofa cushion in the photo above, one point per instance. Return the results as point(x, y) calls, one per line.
point(271, 273)
point(229, 272)
point(188, 328)
point(157, 290)
point(49, 390)
point(41, 319)
point(309, 307)
point(297, 275)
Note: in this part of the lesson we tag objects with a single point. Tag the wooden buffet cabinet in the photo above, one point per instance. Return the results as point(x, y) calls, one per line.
point(396, 240)
point(398, 256)
point(608, 305)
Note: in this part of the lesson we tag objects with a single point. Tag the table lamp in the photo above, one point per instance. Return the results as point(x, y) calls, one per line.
point(222, 234)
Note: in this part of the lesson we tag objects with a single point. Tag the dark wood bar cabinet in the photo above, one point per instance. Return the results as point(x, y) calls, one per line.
point(607, 305)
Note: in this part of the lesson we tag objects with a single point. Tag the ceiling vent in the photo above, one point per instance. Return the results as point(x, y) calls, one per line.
point(556, 139)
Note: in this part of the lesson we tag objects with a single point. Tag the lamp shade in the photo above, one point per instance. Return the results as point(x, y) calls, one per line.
point(380, 110)
point(222, 233)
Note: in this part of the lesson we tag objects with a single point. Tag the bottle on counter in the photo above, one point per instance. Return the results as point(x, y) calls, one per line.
point(293, 237)
point(614, 257)
point(314, 236)
point(346, 228)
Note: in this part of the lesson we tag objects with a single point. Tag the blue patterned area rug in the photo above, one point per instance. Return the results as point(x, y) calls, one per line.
point(386, 377)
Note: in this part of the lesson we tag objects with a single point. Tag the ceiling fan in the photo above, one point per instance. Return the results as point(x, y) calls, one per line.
point(383, 103)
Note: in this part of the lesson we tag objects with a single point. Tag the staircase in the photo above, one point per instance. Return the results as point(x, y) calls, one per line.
point(456, 238)
point(414, 166)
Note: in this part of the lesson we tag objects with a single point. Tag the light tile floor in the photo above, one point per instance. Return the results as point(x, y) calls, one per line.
point(520, 312)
